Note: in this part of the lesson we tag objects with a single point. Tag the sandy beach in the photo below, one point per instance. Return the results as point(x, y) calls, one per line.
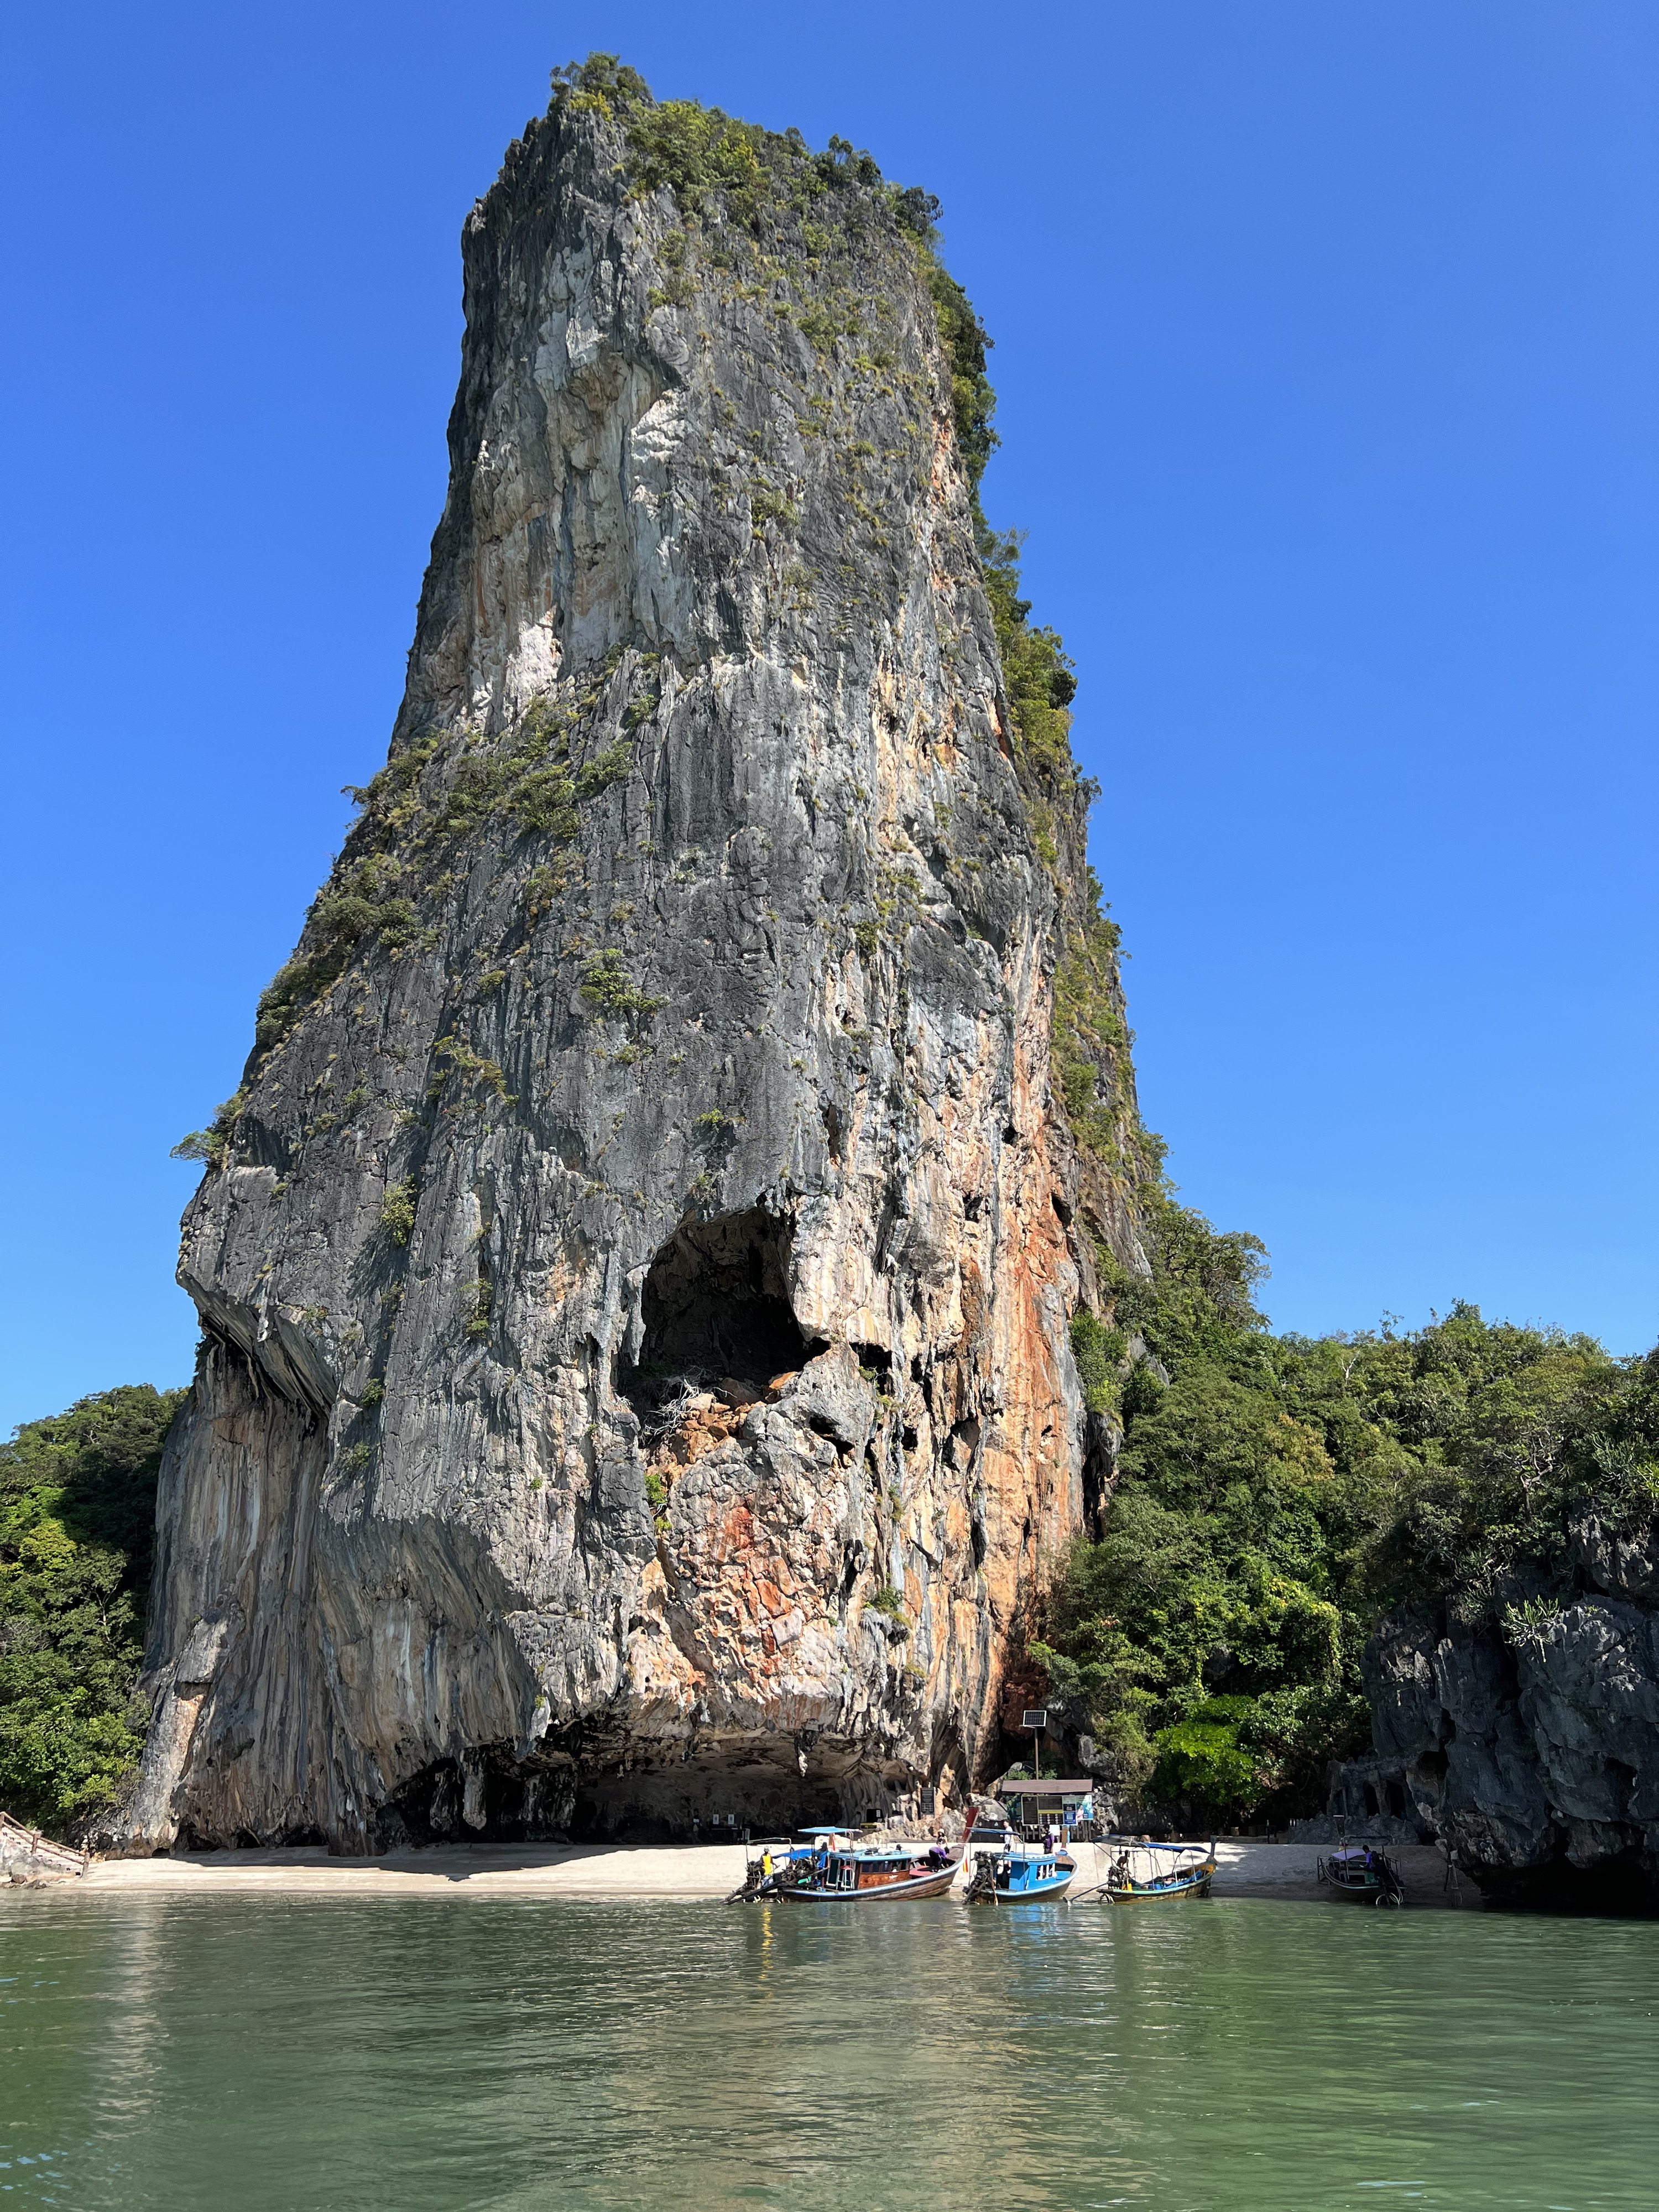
point(1245, 1869)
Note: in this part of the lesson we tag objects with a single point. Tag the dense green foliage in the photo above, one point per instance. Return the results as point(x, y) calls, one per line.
point(973, 402)
point(77, 1523)
point(1277, 1495)
point(1039, 677)
point(1089, 1042)
point(703, 155)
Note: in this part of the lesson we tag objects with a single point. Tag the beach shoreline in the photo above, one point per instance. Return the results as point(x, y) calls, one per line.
point(1245, 1868)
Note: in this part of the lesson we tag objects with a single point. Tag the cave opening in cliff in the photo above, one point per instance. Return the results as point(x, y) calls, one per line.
point(715, 1306)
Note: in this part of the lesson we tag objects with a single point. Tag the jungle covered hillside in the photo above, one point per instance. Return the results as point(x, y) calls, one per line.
point(1277, 1495)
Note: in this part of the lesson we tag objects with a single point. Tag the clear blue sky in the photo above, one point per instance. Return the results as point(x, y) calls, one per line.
point(1325, 343)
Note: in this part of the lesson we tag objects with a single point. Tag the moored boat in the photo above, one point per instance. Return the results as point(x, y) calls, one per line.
point(864, 1874)
point(1020, 1873)
point(1361, 1870)
point(1143, 1872)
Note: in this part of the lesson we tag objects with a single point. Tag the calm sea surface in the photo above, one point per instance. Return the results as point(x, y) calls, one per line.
point(1221, 2058)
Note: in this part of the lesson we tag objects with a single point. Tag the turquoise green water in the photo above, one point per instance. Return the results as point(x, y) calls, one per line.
point(1223, 2058)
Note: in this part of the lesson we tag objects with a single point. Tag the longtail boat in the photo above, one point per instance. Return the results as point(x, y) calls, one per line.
point(1143, 1872)
point(833, 1867)
point(1359, 1871)
point(865, 1874)
point(1020, 1873)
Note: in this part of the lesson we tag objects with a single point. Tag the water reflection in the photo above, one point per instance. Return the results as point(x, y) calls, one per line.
point(313, 2052)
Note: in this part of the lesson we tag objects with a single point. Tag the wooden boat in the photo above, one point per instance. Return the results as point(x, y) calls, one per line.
point(1361, 1870)
point(771, 1854)
point(1143, 1872)
point(863, 1873)
point(1020, 1873)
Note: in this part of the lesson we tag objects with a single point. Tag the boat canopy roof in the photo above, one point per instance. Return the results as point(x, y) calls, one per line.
point(1141, 1844)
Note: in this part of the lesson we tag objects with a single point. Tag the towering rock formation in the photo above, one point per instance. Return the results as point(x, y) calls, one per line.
point(635, 1272)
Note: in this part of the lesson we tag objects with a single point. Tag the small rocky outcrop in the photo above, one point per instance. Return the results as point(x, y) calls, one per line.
point(635, 1271)
point(1532, 1745)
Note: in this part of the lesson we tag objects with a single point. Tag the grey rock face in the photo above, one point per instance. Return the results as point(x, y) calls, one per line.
point(1537, 1758)
point(1623, 1565)
point(1368, 1799)
point(635, 1287)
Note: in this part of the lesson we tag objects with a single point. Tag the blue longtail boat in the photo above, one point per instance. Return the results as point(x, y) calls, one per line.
point(1020, 1873)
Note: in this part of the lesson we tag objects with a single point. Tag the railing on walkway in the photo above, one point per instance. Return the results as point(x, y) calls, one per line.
point(18, 1842)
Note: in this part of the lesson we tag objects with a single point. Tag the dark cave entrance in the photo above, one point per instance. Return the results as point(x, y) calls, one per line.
point(716, 1303)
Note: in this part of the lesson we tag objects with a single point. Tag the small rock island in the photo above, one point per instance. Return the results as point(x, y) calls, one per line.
point(695, 1334)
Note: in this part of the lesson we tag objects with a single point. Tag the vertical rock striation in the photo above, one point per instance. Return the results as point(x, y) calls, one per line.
point(635, 1272)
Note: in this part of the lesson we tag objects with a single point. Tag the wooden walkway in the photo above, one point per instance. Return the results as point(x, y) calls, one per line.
point(26, 1853)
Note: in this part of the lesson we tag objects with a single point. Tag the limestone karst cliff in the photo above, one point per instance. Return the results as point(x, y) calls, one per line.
point(636, 1272)
point(1536, 1754)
